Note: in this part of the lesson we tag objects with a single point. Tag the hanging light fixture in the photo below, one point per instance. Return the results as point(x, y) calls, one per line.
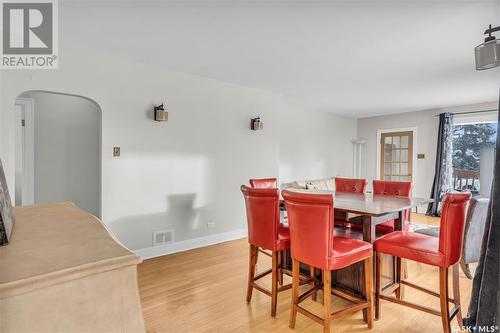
point(488, 53)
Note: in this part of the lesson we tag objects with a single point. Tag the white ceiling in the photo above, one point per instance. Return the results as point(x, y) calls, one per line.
point(352, 58)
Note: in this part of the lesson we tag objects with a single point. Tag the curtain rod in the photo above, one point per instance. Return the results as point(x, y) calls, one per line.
point(468, 112)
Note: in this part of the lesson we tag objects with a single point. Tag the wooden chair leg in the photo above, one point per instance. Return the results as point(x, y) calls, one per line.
point(312, 272)
point(256, 257)
point(443, 299)
point(327, 287)
point(378, 284)
point(369, 291)
point(399, 291)
point(274, 288)
point(295, 291)
point(404, 262)
point(280, 268)
point(252, 260)
point(456, 294)
point(404, 276)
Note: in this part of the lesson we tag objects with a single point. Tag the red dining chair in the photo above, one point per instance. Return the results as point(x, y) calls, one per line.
point(264, 183)
point(310, 217)
point(403, 189)
point(442, 252)
point(387, 187)
point(265, 232)
point(351, 185)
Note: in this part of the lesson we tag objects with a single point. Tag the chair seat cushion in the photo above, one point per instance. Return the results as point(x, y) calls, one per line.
point(283, 241)
point(344, 224)
point(412, 246)
point(347, 251)
point(383, 228)
point(387, 227)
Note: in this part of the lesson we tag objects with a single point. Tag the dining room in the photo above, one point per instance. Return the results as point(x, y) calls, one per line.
point(249, 166)
point(326, 254)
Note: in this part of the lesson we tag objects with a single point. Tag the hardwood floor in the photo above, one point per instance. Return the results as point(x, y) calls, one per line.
point(204, 290)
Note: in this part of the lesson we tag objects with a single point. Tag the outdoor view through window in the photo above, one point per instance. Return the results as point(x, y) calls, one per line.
point(473, 149)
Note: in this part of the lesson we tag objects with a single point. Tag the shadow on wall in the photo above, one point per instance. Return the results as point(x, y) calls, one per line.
point(181, 216)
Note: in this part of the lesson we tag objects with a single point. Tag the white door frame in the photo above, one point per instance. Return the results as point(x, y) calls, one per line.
point(28, 186)
point(414, 157)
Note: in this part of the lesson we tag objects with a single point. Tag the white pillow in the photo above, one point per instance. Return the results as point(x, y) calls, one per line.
point(302, 184)
point(294, 184)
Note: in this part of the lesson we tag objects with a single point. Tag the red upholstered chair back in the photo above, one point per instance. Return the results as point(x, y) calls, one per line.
point(451, 232)
point(310, 219)
point(263, 216)
point(386, 187)
point(350, 185)
point(392, 188)
point(264, 183)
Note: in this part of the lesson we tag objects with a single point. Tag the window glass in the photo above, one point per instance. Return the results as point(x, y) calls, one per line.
point(471, 143)
point(404, 155)
point(404, 141)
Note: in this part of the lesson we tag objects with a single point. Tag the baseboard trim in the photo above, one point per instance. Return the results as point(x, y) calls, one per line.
point(189, 244)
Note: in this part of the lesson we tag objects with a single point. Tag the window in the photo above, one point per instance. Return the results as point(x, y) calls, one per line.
point(472, 145)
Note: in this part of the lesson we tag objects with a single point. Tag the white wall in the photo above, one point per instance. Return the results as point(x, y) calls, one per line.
point(67, 167)
point(183, 173)
point(315, 145)
point(426, 123)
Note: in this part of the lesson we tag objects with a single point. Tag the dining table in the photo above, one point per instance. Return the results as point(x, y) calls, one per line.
point(369, 210)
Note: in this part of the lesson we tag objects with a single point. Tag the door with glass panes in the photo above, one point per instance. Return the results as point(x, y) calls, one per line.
point(396, 162)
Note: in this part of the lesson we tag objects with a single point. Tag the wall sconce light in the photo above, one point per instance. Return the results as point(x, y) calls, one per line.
point(256, 124)
point(160, 113)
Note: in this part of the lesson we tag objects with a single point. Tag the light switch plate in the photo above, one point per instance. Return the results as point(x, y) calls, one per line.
point(116, 151)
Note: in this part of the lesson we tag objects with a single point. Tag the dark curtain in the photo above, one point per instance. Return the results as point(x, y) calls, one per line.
point(484, 307)
point(444, 168)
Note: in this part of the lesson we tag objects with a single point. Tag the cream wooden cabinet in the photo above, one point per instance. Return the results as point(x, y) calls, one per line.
point(64, 272)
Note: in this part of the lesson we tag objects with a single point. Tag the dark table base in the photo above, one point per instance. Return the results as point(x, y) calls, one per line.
point(350, 278)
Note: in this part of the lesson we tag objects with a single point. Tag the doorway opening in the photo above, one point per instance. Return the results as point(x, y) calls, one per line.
point(58, 150)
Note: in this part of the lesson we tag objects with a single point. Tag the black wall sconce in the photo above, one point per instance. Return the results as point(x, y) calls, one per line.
point(256, 124)
point(160, 113)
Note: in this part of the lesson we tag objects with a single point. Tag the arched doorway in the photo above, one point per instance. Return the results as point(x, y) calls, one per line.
point(58, 150)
